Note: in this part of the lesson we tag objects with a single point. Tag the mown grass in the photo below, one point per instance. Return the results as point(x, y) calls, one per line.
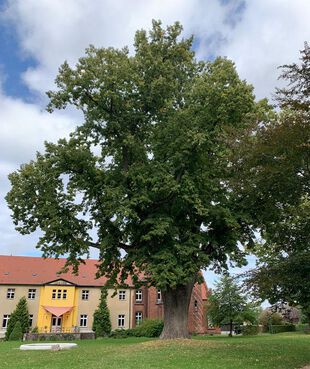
point(282, 351)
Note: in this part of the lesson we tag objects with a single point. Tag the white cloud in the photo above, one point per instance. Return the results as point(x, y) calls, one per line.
point(24, 127)
point(264, 35)
point(270, 34)
point(54, 31)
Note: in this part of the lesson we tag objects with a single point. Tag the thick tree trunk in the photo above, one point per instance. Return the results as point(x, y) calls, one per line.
point(230, 328)
point(176, 304)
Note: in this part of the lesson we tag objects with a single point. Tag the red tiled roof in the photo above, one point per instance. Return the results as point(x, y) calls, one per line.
point(38, 271)
point(25, 270)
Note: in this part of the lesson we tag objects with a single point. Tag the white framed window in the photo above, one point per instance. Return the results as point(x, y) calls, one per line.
point(138, 295)
point(83, 320)
point(159, 298)
point(139, 317)
point(30, 320)
point(85, 294)
point(58, 294)
point(10, 293)
point(53, 294)
point(6, 318)
point(121, 321)
point(122, 295)
point(64, 294)
point(31, 293)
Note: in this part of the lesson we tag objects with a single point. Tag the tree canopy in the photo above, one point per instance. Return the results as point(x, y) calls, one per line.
point(145, 178)
point(278, 156)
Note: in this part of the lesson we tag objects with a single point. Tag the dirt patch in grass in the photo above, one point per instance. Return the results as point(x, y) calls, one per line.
point(179, 343)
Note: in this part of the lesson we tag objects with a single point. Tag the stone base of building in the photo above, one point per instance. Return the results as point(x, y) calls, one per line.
point(58, 336)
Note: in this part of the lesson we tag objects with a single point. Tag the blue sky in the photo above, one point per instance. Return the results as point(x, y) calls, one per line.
point(37, 36)
point(13, 62)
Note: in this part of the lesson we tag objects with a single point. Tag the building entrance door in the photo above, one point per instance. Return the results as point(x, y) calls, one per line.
point(56, 323)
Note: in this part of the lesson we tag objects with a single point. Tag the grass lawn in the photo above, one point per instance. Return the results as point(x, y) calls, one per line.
point(281, 351)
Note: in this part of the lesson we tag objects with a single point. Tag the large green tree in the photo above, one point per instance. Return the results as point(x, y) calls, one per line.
point(147, 172)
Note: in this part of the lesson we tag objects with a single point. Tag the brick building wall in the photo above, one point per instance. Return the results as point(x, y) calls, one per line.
point(197, 322)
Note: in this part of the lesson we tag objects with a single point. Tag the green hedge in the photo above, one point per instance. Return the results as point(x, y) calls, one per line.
point(249, 330)
point(122, 333)
point(148, 328)
point(302, 327)
point(282, 328)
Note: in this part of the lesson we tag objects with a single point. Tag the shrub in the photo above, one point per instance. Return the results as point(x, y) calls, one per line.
point(17, 333)
point(249, 330)
point(122, 333)
point(51, 337)
point(19, 314)
point(149, 328)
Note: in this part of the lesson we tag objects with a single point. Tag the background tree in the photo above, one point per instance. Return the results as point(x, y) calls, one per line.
point(296, 96)
point(283, 278)
point(147, 171)
point(276, 181)
point(102, 322)
point(228, 305)
point(21, 315)
point(269, 318)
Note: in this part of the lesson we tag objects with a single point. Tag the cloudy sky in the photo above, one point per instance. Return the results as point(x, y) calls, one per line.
point(37, 36)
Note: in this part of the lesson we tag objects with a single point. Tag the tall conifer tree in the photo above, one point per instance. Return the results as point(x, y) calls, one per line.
point(102, 322)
